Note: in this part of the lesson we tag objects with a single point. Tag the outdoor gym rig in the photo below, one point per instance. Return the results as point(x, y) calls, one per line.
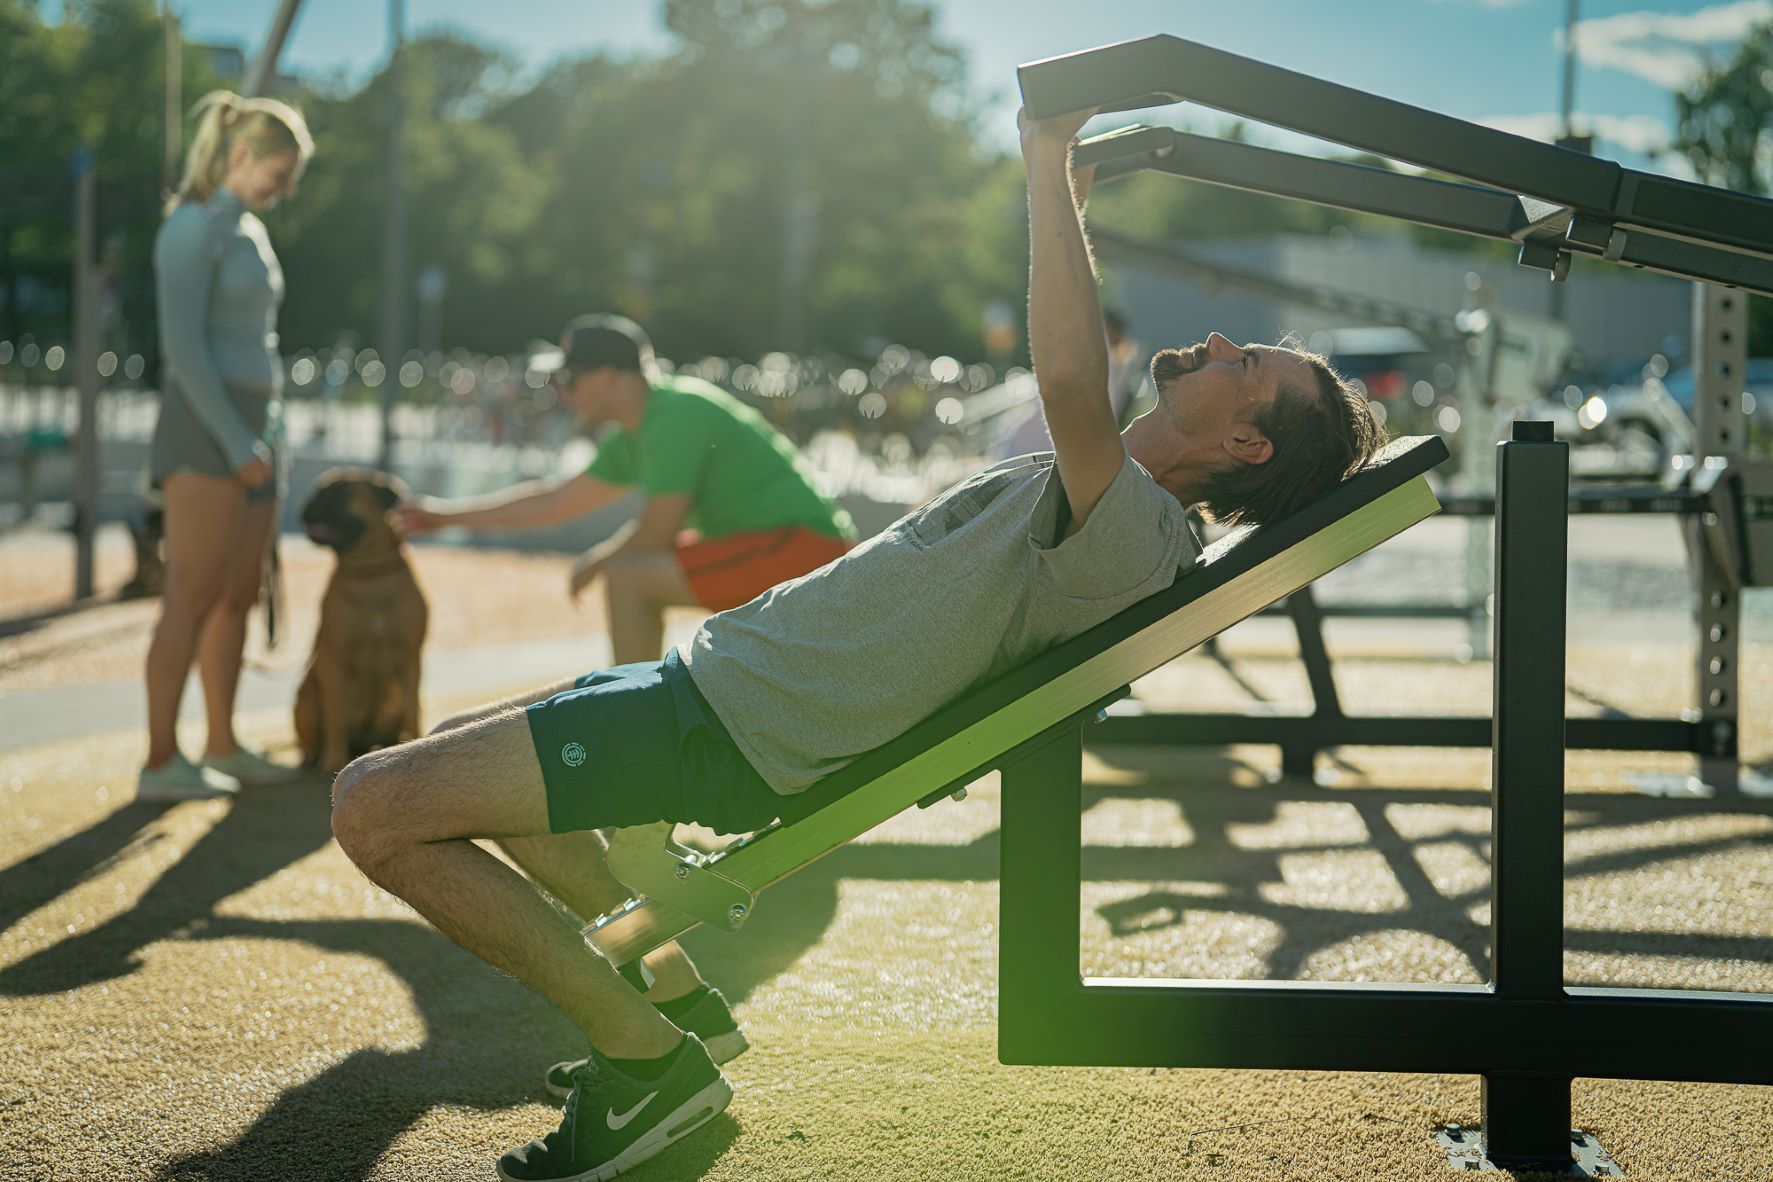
point(1525, 1033)
point(1555, 204)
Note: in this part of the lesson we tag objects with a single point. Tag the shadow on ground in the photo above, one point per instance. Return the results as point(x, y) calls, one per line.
point(263, 831)
point(487, 1038)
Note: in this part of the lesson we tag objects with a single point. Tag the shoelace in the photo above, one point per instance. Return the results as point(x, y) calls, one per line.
point(589, 1088)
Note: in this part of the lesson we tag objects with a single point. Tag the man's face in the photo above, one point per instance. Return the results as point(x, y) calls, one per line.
point(582, 392)
point(1213, 390)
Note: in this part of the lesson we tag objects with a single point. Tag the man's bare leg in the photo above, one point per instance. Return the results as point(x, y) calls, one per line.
point(574, 867)
point(408, 816)
point(638, 587)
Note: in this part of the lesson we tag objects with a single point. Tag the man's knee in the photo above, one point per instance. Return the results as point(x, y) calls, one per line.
point(634, 577)
point(364, 818)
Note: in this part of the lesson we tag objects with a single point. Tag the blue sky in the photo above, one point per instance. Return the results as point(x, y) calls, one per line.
point(1496, 61)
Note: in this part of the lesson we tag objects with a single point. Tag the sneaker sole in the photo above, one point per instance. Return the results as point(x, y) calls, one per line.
point(689, 1116)
point(722, 1048)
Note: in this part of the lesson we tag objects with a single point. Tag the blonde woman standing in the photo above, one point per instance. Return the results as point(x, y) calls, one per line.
point(216, 453)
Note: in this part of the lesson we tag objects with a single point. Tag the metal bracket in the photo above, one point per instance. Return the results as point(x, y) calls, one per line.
point(1543, 257)
point(647, 860)
point(1465, 1151)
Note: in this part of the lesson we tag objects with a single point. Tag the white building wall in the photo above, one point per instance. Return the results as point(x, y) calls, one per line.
point(1614, 315)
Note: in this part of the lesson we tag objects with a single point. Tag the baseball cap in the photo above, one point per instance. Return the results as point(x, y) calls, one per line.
point(598, 339)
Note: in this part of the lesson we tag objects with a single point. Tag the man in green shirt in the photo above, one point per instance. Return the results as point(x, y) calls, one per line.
point(729, 510)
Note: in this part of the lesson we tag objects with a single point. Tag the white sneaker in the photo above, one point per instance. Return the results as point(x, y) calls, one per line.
point(250, 769)
point(180, 779)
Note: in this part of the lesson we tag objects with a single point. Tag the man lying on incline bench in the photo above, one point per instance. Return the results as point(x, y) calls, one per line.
point(771, 696)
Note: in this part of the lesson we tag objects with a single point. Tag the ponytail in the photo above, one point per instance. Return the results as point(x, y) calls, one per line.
point(265, 125)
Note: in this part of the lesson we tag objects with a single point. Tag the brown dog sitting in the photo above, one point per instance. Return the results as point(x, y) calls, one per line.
point(362, 687)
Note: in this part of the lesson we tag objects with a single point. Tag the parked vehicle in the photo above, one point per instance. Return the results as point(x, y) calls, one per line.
point(1655, 415)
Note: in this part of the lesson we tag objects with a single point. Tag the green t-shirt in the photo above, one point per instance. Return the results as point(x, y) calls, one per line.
point(741, 474)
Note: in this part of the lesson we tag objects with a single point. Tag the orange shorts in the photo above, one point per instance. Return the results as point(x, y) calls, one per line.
point(725, 572)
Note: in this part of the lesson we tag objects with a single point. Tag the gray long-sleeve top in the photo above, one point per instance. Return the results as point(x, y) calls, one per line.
point(219, 287)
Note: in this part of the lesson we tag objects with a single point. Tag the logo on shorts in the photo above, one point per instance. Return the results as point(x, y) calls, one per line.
point(572, 755)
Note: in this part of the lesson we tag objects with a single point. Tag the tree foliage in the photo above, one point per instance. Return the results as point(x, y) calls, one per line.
point(94, 80)
point(1724, 127)
point(790, 174)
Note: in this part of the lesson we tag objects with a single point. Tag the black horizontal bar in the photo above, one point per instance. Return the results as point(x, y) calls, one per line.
point(1602, 501)
point(1325, 731)
point(1384, 611)
point(1475, 210)
point(1440, 1029)
point(1161, 69)
point(1448, 205)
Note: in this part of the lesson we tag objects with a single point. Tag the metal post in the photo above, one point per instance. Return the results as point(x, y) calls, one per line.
point(85, 366)
point(1040, 869)
point(1555, 302)
point(1720, 363)
point(1300, 759)
point(393, 324)
point(173, 92)
point(1567, 92)
point(800, 213)
point(1475, 389)
point(264, 67)
point(1526, 1116)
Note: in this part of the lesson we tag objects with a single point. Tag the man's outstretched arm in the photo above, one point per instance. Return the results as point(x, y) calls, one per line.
point(1065, 319)
point(537, 504)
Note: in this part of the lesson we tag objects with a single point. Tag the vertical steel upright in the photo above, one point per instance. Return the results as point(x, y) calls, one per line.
point(1720, 365)
point(172, 95)
point(394, 278)
point(83, 364)
point(1526, 1115)
point(1040, 927)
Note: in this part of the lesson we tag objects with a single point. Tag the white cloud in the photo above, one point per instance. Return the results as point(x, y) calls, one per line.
point(1665, 48)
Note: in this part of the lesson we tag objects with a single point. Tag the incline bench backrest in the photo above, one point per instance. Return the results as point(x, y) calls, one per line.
point(1238, 576)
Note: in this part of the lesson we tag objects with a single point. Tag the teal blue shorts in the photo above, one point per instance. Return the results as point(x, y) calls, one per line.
point(638, 744)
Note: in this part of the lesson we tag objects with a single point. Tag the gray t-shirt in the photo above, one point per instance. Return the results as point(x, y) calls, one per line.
point(823, 668)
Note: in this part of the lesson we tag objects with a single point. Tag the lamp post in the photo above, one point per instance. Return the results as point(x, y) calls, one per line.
point(393, 324)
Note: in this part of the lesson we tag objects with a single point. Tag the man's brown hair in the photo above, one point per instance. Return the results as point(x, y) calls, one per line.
point(1320, 437)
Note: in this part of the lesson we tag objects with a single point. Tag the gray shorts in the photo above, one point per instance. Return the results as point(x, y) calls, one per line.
point(183, 444)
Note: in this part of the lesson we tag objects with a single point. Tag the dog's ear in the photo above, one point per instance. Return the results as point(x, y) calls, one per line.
point(389, 494)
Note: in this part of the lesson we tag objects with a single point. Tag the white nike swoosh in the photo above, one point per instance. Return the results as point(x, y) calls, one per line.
point(618, 1122)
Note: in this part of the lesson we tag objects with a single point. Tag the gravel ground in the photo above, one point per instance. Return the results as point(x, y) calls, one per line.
point(211, 991)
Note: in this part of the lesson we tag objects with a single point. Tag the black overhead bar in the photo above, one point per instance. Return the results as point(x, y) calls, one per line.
point(1547, 233)
point(1155, 71)
point(1468, 209)
point(1553, 201)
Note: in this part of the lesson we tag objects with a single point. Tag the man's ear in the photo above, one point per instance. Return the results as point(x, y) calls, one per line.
point(1247, 445)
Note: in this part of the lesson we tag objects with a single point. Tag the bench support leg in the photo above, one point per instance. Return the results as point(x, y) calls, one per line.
point(1039, 901)
point(1526, 1120)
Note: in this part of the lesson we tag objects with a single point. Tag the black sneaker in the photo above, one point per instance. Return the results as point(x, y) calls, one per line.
point(611, 1122)
point(709, 1019)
